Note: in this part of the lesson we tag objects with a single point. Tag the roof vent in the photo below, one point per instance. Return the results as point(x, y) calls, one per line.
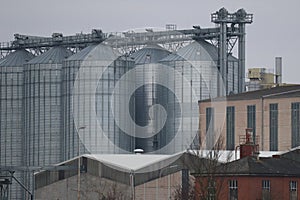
point(138, 151)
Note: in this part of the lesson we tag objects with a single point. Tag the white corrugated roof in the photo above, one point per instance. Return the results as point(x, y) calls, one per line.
point(134, 162)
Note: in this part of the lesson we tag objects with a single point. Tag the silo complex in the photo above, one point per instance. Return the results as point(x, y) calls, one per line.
point(42, 107)
point(11, 121)
point(88, 81)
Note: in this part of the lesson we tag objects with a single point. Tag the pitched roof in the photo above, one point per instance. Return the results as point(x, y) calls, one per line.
point(251, 166)
point(293, 154)
point(275, 92)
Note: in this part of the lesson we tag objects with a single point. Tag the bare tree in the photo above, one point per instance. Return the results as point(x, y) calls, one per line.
point(104, 190)
point(205, 167)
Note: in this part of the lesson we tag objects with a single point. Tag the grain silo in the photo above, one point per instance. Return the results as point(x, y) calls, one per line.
point(89, 78)
point(11, 107)
point(198, 64)
point(42, 110)
point(149, 94)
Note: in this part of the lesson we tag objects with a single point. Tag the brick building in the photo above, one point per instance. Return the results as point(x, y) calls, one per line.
point(251, 178)
point(273, 114)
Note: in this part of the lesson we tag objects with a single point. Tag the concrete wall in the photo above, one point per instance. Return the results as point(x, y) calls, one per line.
point(91, 187)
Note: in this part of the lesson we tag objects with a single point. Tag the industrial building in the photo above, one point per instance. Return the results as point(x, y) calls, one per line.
point(261, 78)
point(134, 176)
point(272, 114)
point(62, 96)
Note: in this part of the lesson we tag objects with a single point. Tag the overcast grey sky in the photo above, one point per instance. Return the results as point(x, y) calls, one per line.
point(274, 32)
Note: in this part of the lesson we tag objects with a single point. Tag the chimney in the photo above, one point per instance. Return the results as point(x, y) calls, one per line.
point(248, 146)
point(278, 70)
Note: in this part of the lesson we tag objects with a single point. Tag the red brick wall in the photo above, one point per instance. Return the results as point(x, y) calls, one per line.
point(250, 188)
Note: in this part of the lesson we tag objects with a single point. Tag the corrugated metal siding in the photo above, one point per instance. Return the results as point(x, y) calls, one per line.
point(11, 109)
point(90, 60)
point(196, 64)
point(149, 95)
point(42, 87)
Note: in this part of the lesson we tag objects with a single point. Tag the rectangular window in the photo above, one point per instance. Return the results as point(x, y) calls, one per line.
point(230, 124)
point(273, 127)
point(211, 190)
point(293, 190)
point(233, 190)
point(266, 187)
point(209, 128)
point(251, 119)
point(295, 120)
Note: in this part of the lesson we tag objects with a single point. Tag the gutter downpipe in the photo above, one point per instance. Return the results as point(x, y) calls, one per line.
point(262, 123)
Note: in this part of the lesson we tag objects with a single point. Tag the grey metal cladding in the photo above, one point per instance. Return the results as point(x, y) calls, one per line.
point(11, 107)
point(42, 107)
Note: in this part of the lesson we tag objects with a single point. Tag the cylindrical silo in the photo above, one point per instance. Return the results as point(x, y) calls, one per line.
point(197, 63)
point(147, 96)
point(11, 109)
point(88, 81)
point(42, 107)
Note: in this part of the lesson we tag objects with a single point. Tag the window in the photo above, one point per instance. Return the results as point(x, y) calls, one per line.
point(266, 187)
point(233, 190)
point(211, 189)
point(295, 120)
point(293, 190)
point(230, 128)
point(209, 128)
point(251, 119)
point(273, 127)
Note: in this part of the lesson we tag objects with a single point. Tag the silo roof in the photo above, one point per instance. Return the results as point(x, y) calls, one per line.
point(150, 54)
point(96, 52)
point(196, 51)
point(53, 55)
point(17, 58)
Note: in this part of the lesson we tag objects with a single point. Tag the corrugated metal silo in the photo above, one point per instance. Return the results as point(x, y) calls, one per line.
point(197, 63)
point(148, 95)
point(11, 107)
point(42, 100)
point(93, 73)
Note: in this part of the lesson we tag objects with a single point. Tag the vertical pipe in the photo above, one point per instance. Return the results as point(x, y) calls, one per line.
point(262, 123)
point(278, 70)
point(223, 59)
point(169, 186)
point(242, 57)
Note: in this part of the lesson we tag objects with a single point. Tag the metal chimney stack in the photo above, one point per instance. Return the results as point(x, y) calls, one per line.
point(278, 70)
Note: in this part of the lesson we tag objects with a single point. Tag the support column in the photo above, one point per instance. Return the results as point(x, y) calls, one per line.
point(223, 59)
point(242, 57)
